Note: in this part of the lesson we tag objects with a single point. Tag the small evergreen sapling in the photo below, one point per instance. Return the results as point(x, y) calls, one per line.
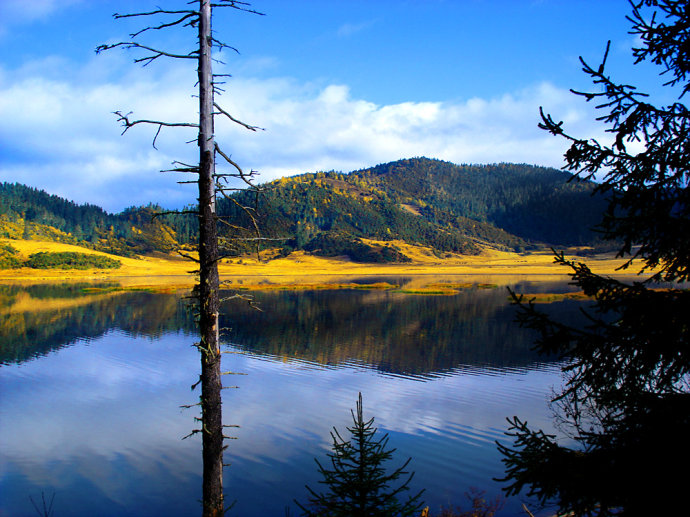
point(357, 484)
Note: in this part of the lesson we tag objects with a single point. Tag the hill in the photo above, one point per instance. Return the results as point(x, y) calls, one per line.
point(450, 208)
point(365, 214)
point(31, 214)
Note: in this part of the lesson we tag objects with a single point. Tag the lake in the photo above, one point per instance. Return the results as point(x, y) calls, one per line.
point(93, 379)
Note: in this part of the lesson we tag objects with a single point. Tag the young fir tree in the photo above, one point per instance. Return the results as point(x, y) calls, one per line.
point(627, 393)
point(357, 484)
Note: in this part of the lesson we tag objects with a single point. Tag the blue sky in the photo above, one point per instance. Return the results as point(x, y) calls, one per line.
point(336, 84)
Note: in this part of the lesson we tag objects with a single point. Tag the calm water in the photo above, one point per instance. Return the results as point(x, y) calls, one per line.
point(91, 386)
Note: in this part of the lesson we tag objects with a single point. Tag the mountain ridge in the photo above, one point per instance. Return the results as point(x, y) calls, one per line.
point(453, 209)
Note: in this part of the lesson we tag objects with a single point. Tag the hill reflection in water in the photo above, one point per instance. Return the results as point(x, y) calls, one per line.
point(92, 382)
point(394, 333)
point(37, 319)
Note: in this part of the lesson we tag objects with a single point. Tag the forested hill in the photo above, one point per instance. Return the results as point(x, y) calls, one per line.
point(448, 207)
point(29, 213)
point(452, 208)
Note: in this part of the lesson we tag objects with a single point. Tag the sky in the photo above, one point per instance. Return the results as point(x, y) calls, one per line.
point(334, 84)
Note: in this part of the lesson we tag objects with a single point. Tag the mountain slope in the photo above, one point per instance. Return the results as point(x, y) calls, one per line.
point(446, 207)
point(29, 213)
point(534, 203)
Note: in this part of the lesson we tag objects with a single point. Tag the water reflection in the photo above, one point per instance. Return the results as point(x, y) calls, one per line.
point(36, 320)
point(390, 332)
point(91, 388)
point(99, 424)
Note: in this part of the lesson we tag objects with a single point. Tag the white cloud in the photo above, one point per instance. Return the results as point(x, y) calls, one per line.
point(61, 135)
point(58, 132)
point(328, 129)
point(19, 11)
point(348, 29)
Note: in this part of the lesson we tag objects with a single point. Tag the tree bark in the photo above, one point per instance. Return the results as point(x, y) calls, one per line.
point(211, 410)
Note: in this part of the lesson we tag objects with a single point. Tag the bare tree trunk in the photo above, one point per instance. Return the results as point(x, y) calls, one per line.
point(208, 289)
point(211, 410)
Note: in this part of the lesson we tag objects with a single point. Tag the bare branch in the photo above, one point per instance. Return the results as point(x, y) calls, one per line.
point(117, 16)
point(222, 111)
point(194, 15)
point(240, 6)
point(177, 162)
point(242, 175)
point(255, 188)
point(173, 212)
point(190, 170)
point(187, 256)
point(232, 226)
point(247, 210)
point(220, 45)
point(184, 167)
point(147, 59)
point(127, 124)
point(195, 431)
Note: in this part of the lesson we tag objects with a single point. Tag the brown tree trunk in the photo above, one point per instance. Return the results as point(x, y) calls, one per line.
point(211, 410)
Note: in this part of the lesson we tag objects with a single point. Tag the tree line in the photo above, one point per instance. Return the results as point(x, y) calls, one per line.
point(449, 208)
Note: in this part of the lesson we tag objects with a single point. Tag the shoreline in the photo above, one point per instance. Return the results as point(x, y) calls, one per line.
point(300, 269)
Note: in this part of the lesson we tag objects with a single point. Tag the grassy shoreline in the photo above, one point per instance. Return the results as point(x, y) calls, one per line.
point(300, 270)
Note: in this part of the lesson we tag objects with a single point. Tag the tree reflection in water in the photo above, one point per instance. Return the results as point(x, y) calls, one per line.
point(92, 357)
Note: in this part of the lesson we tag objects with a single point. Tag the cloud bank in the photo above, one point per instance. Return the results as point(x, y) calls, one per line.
point(57, 132)
point(21, 11)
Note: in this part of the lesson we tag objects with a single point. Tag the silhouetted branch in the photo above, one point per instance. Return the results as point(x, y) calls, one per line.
point(127, 124)
point(47, 509)
point(147, 59)
point(240, 6)
point(250, 127)
point(193, 16)
point(185, 167)
point(220, 46)
point(187, 256)
point(242, 175)
point(195, 431)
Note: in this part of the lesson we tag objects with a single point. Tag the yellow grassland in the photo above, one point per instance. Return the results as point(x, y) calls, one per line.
point(426, 273)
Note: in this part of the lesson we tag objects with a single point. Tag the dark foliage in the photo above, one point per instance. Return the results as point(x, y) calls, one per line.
point(8, 257)
point(333, 245)
point(70, 260)
point(480, 506)
point(528, 202)
point(626, 402)
point(356, 481)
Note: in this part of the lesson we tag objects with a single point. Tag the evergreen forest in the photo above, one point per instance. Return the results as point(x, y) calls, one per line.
point(362, 214)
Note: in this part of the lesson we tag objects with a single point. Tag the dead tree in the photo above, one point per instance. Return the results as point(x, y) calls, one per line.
point(209, 183)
